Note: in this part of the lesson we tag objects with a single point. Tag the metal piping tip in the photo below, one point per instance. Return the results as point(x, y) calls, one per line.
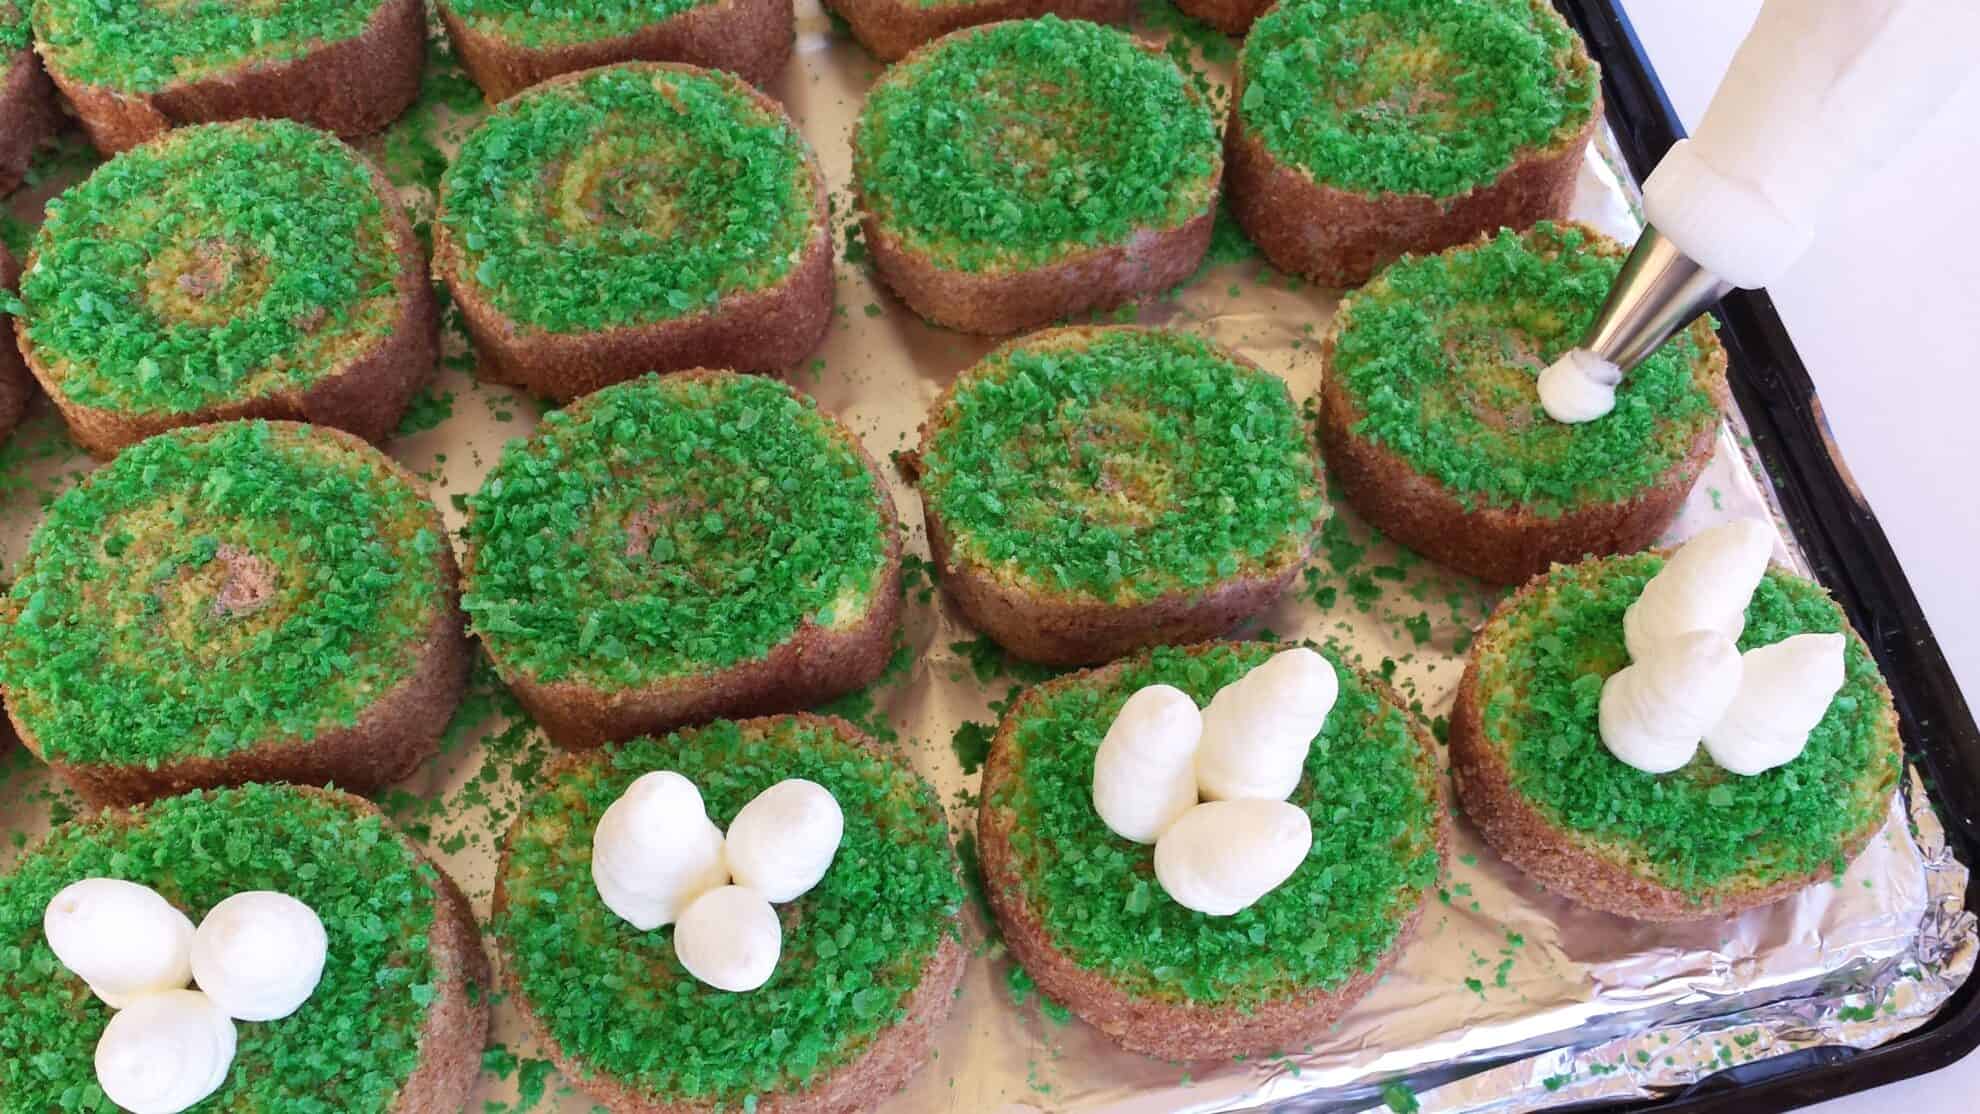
point(1659, 291)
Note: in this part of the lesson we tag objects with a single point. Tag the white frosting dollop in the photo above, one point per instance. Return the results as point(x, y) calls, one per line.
point(1258, 728)
point(783, 841)
point(164, 1052)
point(655, 850)
point(121, 938)
point(1220, 857)
point(1144, 774)
point(1654, 712)
point(1784, 691)
point(1579, 387)
point(1705, 585)
point(730, 938)
point(259, 955)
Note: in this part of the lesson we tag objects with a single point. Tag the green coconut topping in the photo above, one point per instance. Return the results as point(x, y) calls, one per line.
point(1404, 97)
point(139, 46)
point(536, 24)
point(224, 262)
point(15, 31)
point(1121, 464)
point(618, 1002)
point(637, 194)
point(1018, 143)
point(1441, 355)
point(349, 1049)
point(1369, 788)
point(216, 588)
point(1700, 827)
point(669, 526)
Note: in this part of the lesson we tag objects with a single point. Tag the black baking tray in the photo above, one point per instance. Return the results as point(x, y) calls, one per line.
point(1850, 554)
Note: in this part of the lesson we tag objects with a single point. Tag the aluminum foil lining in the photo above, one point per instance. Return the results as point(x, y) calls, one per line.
point(1508, 999)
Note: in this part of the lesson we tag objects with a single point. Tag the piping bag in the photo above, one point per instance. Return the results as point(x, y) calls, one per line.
point(1819, 94)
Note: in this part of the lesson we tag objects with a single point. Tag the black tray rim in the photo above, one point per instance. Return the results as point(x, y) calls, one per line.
point(1850, 554)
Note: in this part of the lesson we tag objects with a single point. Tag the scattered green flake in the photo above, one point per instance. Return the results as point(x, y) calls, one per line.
point(971, 742)
point(532, 1079)
point(1018, 981)
point(1418, 627)
point(427, 410)
point(1399, 1098)
point(411, 154)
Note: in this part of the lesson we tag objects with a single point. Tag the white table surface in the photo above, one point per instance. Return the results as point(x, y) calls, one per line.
point(1885, 311)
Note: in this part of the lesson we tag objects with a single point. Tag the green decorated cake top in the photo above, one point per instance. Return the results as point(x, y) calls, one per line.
point(618, 1002)
point(350, 1048)
point(1700, 827)
point(139, 46)
point(1121, 464)
point(223, 262)
point(218, 587)
point(1404, 97)
point(536, 24)
point(1015, 144)
point(15, 31)
point(669, 526)
point(1441, 355)
point(634, 194)
point(1369, 787)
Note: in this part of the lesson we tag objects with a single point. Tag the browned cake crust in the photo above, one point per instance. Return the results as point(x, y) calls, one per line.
point(1171, 1030)
point(1232, 17)
point(401, 729)
point(769, 330)
point(456, 1029)
point(352, 87)
point(750, 38)
point(995, 302)
point(1051, 629)
point(814, 665)
point(367, 396)
point(1499, 544)
point(1572, 866)
point(27, 115)
point(852, 1088)
point(16, 385)
point(891, 29)
point(1340, 238)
